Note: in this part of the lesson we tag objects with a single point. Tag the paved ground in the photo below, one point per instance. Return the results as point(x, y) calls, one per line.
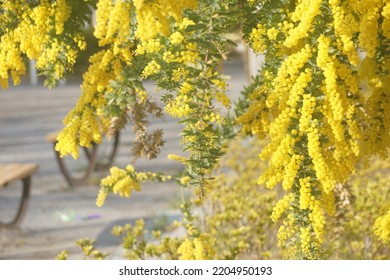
point(27, 114)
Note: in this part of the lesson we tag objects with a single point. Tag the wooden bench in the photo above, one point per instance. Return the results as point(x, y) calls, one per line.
point(91, 155)
point(11, 172)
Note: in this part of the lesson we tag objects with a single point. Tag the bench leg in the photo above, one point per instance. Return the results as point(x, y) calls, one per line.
point(103, 165)
point(22, 204)
point(73, 180)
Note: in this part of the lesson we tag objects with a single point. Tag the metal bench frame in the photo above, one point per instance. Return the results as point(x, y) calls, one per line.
point(91, 155)
point(11, 172)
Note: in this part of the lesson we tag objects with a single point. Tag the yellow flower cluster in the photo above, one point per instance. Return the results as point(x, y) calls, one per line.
point(256, 38)
point(23, 38)
point(104, 7)
point(281, 206)
point(307, 111)
point(121, 181)
point(148, 46)
point(61, 15)
point(189, 55)
point(377, 105)
point(176, 38)
point(256, 119)
point(152, 68)
point(281, 157)
point(113, 23)
point(287, 230)
point(176, 158)
point(317, 220)
point(186, 22)
point(287, 76)
point(178, 74)
point(11, 61)
point(336, 109)
point(369, 24)
point(292, 169)
point(366, 18)
point(386, 20)
point(321, 166)
point(185, 88)
point(194, 249)
point(305, 196)
point(305, 240)
point(305, 12)
point(179, 107)
point(32, 34)
point(86, 123)
point(272, 33)
point(335, 99)
point(101, 197)
point(168, 56)
point(345, 25)
point(68, 137)
point(311, 105)
point(153, 16)
point(124, 181)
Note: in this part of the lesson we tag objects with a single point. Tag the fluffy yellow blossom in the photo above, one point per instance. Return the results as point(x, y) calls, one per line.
point(326, 63)
point(168, 56)
point(345, 25)
point(281, 206)
point(291, 172)
point(369, 24)
point(123, 182)
point(101, 198)
point(152, 68)
point(67, 138)
point(317, 219)
point(305, 195)
point(305, 13)
point(320, 165)
point(272, 33)
point(382, 228)
point(186, 22)
point(287, 75)
point(195, 249)
point(32, 35)
point(280, 158)
point(305, 240)
point(306, 112)
point(184, 180)
point(186, 88)
point(189, 55)
point(386, 20)
point(176, 38)
point(142, 95)
point(179, 107)
point(199, 250)
point(104, 8)
point(61, 14)
point(149, 46)
point(256, 38)
point(153, 16)
point(223, 98)
point(176, 158)
point(186, 250)
point(92, 124)
point(178, 74)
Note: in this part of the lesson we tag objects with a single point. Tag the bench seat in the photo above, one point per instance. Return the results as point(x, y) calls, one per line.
point(10, 172)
